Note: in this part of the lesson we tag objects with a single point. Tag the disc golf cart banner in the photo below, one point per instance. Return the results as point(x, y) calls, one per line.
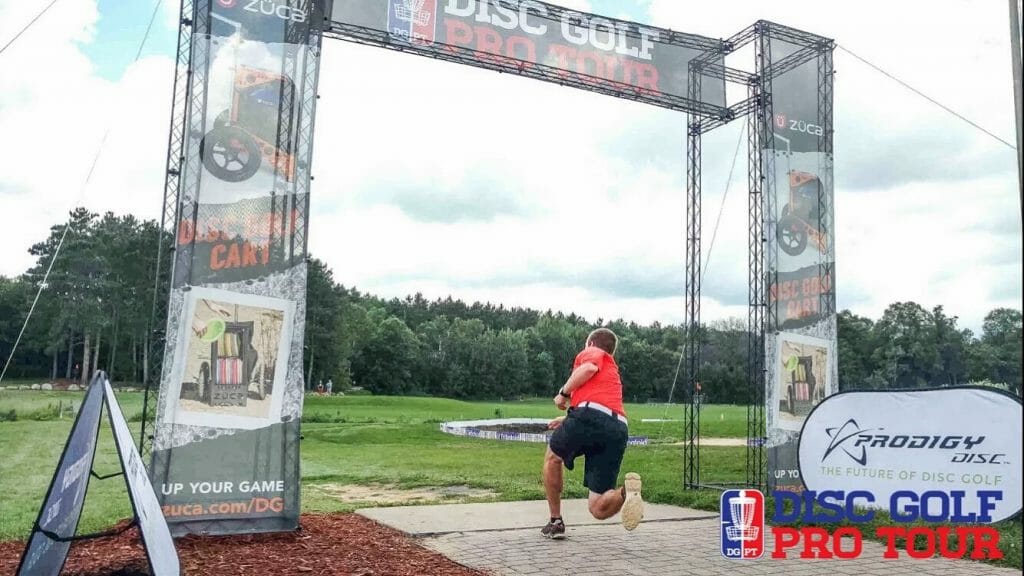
point(225, 449)
point(800, 339)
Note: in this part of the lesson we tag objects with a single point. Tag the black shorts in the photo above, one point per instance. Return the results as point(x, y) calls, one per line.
point(601, 439)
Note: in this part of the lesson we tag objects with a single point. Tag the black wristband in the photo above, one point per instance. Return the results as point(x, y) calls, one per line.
point(561, 392)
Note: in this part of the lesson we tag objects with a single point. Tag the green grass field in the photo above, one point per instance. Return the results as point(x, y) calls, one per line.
point(363, 440)
point(381, 440)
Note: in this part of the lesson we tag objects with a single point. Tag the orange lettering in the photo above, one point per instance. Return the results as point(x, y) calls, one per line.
point(234, 258)
point(185, 232)
point(250, 255)
point(215, 257)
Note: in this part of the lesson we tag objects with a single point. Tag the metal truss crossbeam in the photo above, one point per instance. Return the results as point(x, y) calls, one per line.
point(462, 55)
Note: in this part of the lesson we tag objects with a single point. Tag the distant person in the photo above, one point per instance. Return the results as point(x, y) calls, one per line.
point(330, 386)
point(595, 428)
point(320, 387)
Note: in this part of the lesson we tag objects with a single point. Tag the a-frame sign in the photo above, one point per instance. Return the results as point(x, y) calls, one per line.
point(55, 527)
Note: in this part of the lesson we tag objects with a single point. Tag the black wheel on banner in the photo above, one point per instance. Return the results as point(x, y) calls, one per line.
point(230, 154)
point(792, 235)
point(221, 120)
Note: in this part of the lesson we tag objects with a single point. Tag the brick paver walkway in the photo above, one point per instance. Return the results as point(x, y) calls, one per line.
point(664, 548)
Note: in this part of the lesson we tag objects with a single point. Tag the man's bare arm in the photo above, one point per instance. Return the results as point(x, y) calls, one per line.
point(579, 377)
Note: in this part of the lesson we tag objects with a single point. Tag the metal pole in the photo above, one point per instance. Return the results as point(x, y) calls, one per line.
point(1016, 61)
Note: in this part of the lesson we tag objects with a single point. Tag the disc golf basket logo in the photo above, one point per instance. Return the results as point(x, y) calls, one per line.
point(743, 509)
point(247, 134)
point(742, 532)
point(799, 221)
point(412, 11)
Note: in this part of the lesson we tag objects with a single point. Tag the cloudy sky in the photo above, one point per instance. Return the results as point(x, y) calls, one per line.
point(515, 191)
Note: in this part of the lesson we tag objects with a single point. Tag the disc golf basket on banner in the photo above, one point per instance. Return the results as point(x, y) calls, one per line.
point(802, 387)
point(800, 216)
point(247, 134)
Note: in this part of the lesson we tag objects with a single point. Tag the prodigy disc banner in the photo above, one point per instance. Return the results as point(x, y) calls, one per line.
point(950, 440)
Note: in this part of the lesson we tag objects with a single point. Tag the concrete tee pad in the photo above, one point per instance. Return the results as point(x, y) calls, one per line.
point(448, 518)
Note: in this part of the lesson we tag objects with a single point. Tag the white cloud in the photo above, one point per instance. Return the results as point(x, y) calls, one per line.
point(54, 112)
point(170, 11)
point(443, 179)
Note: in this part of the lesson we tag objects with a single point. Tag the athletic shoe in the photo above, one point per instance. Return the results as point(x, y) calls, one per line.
point(633, 507)
point(555, 530)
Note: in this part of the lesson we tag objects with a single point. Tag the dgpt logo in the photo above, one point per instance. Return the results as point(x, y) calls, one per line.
point(855, 441)
point(227, 3)
point(780, 120)
point(742, 514)
point(413, 20)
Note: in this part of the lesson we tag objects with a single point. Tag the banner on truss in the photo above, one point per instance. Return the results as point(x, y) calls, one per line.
point(800, 335)
point(225, 446)
point(539, 40)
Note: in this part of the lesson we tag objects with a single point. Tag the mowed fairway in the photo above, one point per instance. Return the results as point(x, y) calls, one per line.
point(366, 440)
point(382, 441)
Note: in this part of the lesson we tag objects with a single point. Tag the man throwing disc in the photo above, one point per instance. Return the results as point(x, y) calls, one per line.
point(595, 428)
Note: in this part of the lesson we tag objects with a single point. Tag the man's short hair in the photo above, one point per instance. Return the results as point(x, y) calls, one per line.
point(604, 339)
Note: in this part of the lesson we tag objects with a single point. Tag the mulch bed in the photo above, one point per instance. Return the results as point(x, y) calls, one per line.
point(336, 544)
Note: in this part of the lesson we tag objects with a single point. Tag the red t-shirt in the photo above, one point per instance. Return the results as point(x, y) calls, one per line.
point(604, 387)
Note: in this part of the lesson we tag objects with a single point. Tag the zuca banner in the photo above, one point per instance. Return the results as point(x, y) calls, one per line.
point(800, 345)
point(225, 451)
point(526, 34)
point(962, 442)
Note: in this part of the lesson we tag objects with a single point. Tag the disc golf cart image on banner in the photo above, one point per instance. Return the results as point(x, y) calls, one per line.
point(802, 387)
point(236, 348)
point(246, 134)
point(800, 220)
point(802, 374)
point(232, 359)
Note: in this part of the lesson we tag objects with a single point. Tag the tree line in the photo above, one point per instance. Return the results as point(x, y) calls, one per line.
point(95, 309)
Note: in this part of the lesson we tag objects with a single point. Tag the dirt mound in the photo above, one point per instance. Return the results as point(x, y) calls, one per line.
point(337, 544)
